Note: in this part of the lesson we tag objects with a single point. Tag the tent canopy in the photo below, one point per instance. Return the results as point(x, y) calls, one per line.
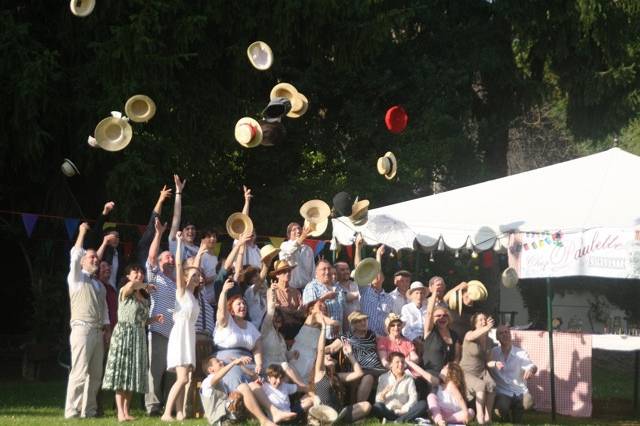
point(573, 196)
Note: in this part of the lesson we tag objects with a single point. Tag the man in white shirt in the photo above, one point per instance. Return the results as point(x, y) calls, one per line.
point(412, 314)
point(89, 323)
point(511, 368)
point(402, 280)
point(297, 253)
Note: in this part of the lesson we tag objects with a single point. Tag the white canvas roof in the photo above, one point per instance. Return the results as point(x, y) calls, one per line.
point(589, 192)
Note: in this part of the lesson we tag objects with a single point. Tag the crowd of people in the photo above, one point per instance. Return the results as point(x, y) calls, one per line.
point(272, 334)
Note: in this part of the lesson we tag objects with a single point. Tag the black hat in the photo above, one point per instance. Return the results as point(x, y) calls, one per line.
point(276, 109)
point(342, 204)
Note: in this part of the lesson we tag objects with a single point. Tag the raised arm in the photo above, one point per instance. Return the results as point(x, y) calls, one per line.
point(75, 268)
point(218, 375)
point(154, 248)
point(267, 322)
point(422, 372)
point(105, 242)
point(239, 260)
point(463, 285)
point(473, 335)
point(357, 369)
point(93, 237)
point(319, 369)
point(247, 199)
point(234, 250)
point(142, 248)
point(222, 319)
point(357, 257)
point(428, 315)
point(181, 285)
point(177, 207)
point(82, 233)
point(165, 193)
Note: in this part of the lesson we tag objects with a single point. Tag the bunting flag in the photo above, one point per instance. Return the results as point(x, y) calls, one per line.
point(319, 247)
point(312, 244)
point(29, 221)
point(71, 224)
point(487, 259)
point(350, 252)
point(216, 249)
point(276, 241)
point(108, 225)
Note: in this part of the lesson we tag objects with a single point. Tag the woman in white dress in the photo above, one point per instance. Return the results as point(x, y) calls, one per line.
point(181, 349)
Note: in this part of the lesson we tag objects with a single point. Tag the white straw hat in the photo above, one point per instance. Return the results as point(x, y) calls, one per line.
point(140, 108)
point(260, 55)
point(82, 8)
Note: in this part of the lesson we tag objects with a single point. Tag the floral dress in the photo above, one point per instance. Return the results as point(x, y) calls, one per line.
point(128, 360)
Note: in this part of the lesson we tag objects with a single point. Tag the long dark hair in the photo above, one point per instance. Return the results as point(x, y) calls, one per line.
point(138, 268)
point(455, 375)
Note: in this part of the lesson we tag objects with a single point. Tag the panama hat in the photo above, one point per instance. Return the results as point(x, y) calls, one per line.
point(342, 204)
point(68, 168)
point(315, 211)
point(317, 229)
point(509, 277)
point(113, 133)
point(299, 102)
point(321, 415)
point(392, 317)
point(359, 212)
point(267, 253)
point(476, 291)
point(281, 266)
point(366, 271)
point(82, 8)
point(299, 106)
point(248, 132)
point(238, 224)
point(388, 165)
point(357, 316)
point(416, 285)
point(260, 55)
point(140, 108)
point(396, 119)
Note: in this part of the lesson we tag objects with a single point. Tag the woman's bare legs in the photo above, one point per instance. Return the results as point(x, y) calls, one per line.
point(252, 405)
point(120, 406)
point(175, 395)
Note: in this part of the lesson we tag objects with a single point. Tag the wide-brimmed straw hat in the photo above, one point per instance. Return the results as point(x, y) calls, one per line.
point(476, 291)
point(359, 212)
point(366, 271)
point(509, 277)
point(299, 102)
point(322, 415)
point(238, 224)
point(315, 211)
point(248, 132)
point(416, 285)
point(68, 168)
point(280, 267)
point(260, 55)
point(113, 133)
point(391, 318)
point(140, 108)
point(357, 316)
point(82, 8)
point(317, 229)
point(299, 108)
point(387, 165)
point(267, 253)
point(454, 299)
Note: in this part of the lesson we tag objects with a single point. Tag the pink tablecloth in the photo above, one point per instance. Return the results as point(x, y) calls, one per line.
point(572, 356)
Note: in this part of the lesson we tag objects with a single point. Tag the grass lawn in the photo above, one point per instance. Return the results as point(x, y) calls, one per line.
point(41, 403)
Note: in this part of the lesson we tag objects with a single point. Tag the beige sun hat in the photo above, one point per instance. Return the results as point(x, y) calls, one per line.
point(476, 291)
point(315, 211)
point(140, 108)
point(238, 224)
point(281, 266)
point(82, 8)
point(366, 271)
point(68, 168)
point(260, 55)
point(317, 229)
point(248, 132)
point(113, 133)
point(322, 415)
point(387, 165)
point(509, 277)
point(454, 299)
point(267, 253)
point(299, 106)
point(392, 317)
point(359, 212)
point(299, 102)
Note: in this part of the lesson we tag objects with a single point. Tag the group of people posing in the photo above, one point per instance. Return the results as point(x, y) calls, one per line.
point(271, 333)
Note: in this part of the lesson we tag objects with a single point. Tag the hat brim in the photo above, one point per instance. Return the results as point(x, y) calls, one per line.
point(134, 115)
point(74, 169)
point(85, 8)
point(278, 271)
point(394, 165)
point(320, 209)
point(107, 143)
point(257, 139)
point(260, 55)
point(366, 271)
point(318, 228)
point(509, 277)
point(304, 106)
point(268, 257)
point(238, 218)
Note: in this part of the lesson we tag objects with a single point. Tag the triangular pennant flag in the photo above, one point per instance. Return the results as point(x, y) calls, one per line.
point(319, 247)
point(141, 228)
point(350, 252)
point(29, 221)
point(276, 241)
point(312, 244)
point(216, 249)
point(71, 224)
point(108, 225)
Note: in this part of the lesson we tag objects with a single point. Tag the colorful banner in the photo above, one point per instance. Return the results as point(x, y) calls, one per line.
point(311, 243)
point(72, 225)
point(29, 221)
point(599, 252)
point(319, 247)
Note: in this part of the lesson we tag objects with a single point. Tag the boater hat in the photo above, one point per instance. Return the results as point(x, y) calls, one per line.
point(238, 224)
point(248, 132)
point(260, 55)
point(322, 415)
point(416, 285)
point(82, 8)
point(317, 229)
point(315, 211)
point(366, 271)
point(476, 291)
point(140, 108)
point(267, 253)
point(299, 108)
point(387, 165)
point(299, 102)
point(68, 168)
point(509, 277)
point(281, 266)
point(113, 133)
point(359, 212)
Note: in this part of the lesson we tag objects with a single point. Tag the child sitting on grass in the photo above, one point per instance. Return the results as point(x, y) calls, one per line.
point(278, 392)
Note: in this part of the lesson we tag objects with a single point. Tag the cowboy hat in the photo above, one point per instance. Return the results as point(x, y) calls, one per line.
point(280, 267)
point(509, 277)
point(342, 204)
point(396, 119)
point(416, 285)
point(82, 8)
point(322, 415)
point(260, 55)
point(356, 316)
point(267, 253)
point(113, 133)
point(68, 168)
point(315, 211)
point(299, 102)
point(359, 212)
point(388, 165)
point(476, 291)
point(366, 271)
point(298, 109)
point(392, 317)
point(276, 108)
point(140, 108)
point(317, 229)
point(238, 224)
point(248, 132)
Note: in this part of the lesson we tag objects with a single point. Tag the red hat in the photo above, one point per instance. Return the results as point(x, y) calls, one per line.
point(396, 119)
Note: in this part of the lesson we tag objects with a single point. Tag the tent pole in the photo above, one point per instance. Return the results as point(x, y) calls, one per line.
point(552, 376)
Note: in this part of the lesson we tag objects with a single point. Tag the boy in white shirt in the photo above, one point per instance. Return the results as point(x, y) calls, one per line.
point(278, 392)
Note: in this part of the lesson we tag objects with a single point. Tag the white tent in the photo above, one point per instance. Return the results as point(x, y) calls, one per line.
point(592, 194)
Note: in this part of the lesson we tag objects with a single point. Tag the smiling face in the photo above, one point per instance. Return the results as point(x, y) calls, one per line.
point(210, 239)
point(189, 234)
point(323, 272)
point(294, 231)
point(214, 365)
point(342, 271)
point(417, 296)
point(135, 275)
point(239, 308)
point(395, 329)
point(360, 325)
point(480, 321)
point(396, 365)
point(104, 273)
point(274, 381)
point(402, 283)
point(90, 261)
point(441, 317)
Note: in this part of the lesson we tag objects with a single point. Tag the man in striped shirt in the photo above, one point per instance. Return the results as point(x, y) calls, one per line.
point(322, 287)
point(161, 273)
